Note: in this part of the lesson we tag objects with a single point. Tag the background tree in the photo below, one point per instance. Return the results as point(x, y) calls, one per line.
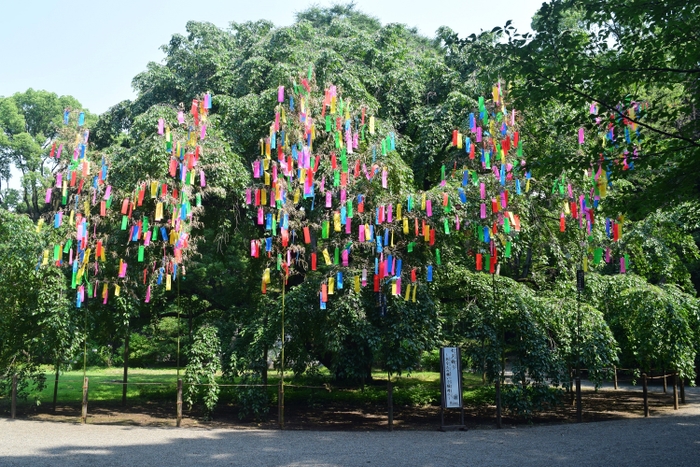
point(31, 124)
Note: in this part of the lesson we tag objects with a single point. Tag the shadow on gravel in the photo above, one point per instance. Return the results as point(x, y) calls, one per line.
point(674, 440)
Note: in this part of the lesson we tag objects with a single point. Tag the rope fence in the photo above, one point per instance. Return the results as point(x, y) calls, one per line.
point(678, 396)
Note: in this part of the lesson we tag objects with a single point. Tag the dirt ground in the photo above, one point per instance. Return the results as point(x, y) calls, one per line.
point(597, 406)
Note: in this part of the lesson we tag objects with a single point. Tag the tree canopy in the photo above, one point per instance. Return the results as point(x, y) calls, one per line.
point(603, 174)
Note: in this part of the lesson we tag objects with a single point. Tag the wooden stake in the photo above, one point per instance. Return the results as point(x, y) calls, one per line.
point(85, 400)
point(280, 404)
point(646, 396)
point(55, 387)
point(179, 402)
point(390, 403)
point(665, 383)
point(682, 391)
point(675, 391)
point(579, 410)
point(615, 376)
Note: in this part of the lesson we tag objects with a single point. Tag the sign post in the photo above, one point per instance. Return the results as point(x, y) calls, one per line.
point(451, 384)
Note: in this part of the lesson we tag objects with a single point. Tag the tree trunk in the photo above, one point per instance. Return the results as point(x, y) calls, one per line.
point(264, 371)
point(266, 351)
point(126, 366)
point(55, 386)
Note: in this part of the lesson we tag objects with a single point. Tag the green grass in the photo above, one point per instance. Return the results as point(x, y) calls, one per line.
point(418, 388)
point(70, 385)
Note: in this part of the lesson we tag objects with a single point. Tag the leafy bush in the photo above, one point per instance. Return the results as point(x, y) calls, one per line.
point(253, 401)
point(524, 402)
point(430, 361)
point(204, 361)
point(418, 395)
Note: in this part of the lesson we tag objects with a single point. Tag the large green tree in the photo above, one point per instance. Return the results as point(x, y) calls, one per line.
point(30, 124)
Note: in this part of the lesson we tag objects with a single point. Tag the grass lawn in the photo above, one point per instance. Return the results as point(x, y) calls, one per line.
point(418, 388)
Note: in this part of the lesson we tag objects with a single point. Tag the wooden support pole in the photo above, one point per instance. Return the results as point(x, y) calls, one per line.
point(499, 421)
point(646, 396)
point(579, 410)
point(280, 403)
point(13, 408)
point(85, 400)
point(614, 376)
point(179, 403)
point(682, 391)
point(125, 378)
point(675, 391)
point(665, 383)
point(572, 393)
point(55, 387)
point(390, 402)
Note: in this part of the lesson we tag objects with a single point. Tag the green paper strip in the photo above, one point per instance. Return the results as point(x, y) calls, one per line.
point(597, 255)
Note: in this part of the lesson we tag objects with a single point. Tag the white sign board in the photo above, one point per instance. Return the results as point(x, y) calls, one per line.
point(451, 376)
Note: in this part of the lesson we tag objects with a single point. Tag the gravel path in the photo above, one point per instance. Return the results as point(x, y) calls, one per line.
point(672, 439)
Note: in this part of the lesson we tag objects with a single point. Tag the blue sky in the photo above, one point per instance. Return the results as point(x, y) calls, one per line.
point(91, 49)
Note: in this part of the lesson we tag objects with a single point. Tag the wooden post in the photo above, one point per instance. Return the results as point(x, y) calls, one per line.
point(55, 387)
point(614, 376)
point(390, 402)
point(682, 391)
point(125, 379)
point(579, 410)
point(665, 383)
point(85, 400)
point(179, 402)
point(13, 408)
point(572, 393)
point(675, 391)
point(280, 403)
point(644, 391)
point(499, 421)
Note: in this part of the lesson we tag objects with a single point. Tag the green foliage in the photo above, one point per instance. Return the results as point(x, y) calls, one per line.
point(655, 326)
point(204, 361)
point(526, 317)
point(663, 247)
point(253, 401)
point(526, 401)
point(35, 322)
point(155, 345)
point(612, 52)
point(30, 123)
